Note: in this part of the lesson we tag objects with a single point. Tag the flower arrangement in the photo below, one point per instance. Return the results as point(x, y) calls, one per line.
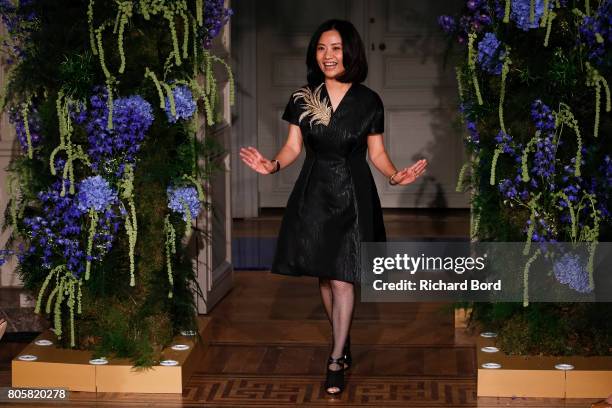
point(180, 104)
point(535, 102)
point(105, 129)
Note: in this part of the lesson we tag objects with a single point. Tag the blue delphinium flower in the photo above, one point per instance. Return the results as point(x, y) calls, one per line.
point(184, 104)
point(56, 234)
point(602, 187)
point(596, 33)
point(110, 150)
point(215, 17)
point(178, 197)
point(506, 143)
point(520, 13)
point(477, 17)
point(447, 23)
point(4, 254)
point(95, 194)
point(34, 126)
point(491, 54)
point(474, 138)
point(20, 21)
point(570, 270)
point(544, 157)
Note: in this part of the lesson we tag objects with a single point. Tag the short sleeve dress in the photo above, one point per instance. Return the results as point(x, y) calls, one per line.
point(334, 205)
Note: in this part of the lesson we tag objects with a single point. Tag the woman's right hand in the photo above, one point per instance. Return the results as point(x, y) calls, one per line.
point(252, 158)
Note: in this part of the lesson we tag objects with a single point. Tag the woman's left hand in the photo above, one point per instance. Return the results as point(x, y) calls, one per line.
point(409, 174)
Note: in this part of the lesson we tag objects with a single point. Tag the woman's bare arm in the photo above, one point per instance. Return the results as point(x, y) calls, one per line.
point(382, 161)
point(287, 154)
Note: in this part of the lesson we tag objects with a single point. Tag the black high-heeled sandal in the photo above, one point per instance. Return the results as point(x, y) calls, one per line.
point(346, 353)
point(335, 378)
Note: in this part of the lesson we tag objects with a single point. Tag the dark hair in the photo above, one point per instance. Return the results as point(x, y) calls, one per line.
point(353, 53)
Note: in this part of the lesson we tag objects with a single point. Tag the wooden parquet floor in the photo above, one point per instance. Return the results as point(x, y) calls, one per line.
point(270, 340)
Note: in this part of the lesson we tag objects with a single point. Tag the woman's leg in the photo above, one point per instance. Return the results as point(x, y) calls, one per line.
point(326, 296)
point(342, 313)
point(343, 300)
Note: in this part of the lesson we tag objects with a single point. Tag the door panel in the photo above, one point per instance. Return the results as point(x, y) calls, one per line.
point(405, 54)
point(212, 242)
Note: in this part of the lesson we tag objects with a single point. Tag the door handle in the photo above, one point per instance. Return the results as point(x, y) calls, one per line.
point(382, 46)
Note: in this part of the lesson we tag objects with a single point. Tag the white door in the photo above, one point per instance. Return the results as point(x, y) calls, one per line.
point(405, 55)
point(8, 277)
point(212, 243)
point(405, 51)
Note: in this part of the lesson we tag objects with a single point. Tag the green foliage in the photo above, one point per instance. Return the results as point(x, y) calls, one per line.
point(143, 47)
point(551, 64)
point(559, 329)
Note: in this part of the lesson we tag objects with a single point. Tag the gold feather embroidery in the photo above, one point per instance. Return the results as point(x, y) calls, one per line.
point(319, 110)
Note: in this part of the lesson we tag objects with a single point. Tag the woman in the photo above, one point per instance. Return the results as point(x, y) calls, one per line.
point(334, 205)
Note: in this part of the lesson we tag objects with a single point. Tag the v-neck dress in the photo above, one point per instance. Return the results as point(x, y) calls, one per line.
point(334, 205)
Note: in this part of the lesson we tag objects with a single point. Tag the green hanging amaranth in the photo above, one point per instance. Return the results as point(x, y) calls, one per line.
point(596, 80)
point(533, 207)
point(472, 65)
point(526, 277)
point(502, 90)
point(550, 17)
point(131, 223)
point(93, 216)
point(565, 116)
point(524, 157)
point(170, 250)
point(496, 153)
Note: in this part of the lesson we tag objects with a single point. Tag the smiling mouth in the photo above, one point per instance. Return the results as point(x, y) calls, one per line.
point(330, 65)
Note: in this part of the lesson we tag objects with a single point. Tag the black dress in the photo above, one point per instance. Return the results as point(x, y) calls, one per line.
point(334, 205)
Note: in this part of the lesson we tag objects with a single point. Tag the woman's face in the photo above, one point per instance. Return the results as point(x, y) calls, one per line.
point(329, 54)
